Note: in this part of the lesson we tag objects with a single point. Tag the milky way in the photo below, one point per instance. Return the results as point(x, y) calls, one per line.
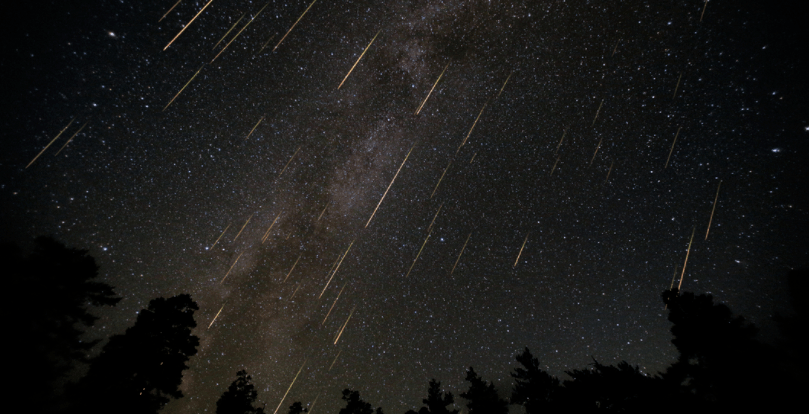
point(544, 131)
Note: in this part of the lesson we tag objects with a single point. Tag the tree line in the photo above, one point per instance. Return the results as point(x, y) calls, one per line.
point(721, 365)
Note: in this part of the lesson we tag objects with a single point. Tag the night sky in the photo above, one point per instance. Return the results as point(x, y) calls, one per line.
point(550, 136)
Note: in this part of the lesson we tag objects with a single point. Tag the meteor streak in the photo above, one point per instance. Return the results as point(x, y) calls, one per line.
point(703, 11)
point(594, 154)
point(332, 305)
point(183, 88)
point(608, 172)
point(296, 291)
point(473, 157)
point(678, 83)
point(290, 29)
point(331, 366)
point(360, 58)
point(229, 30)
point(254, 128)
point(324, 210)
point(473, 127)
point(167, 13)
point(616, 47)
point(673, 278)
point(439, 180)
point(186, 26)
point(312, 407)
point(288, 162)
point(460, 254)
point(672, 147)
point(713, 209)
point(554, 165)
point(52, 141)
point(220, 236)
point(344, 326)
point(240, 32)
point(293, 267)
point(686, 258)
point(231, 267)
point(217, 313)
point(504, 85)
point(337, 268)
point(71, 138)
point(434, 217)
point(265, 44)
point(245, 225)
point(389, 185)
point(597, 112)
point(520, 254)
point(419, 254)
point(267, 234)
point(290, 387)
point(431, 90)
point(560, 141)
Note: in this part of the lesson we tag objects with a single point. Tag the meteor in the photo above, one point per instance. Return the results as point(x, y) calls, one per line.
point(245, 225)
point(616, 47)
point(560, 141)
point(594, 154)
point(293, 267)
point(520, 254)
point(504, 85)
point(240, 32)
point(431, 90)
point(597, 112)
point(473, 127)
point(324, 210)
point(678, 82)
point(713, 209)
point(672, 147)
point(217, 315)
point(288, 162)
point(460, 254)
point(231, 267)
point(265, 44)
point(290, 29)
point(554, 164)
point(254, 128)
point(186, 26)
point(290, 387)
point(608, 172)
point(360, 58)
point(183, 88)
point(389, 185)
point(331, 366)
point(703, 11)
point(473, 157)
point(673, 278)
point(312, 407)
point(71, 138)
point(419, 254)
point(267, 234)
point(296, 291)
point(220, 236)
point(686, 258)
point(332, 305)
point(52, 141)
point(167, 13)
point(434, 217)
point(439, 180)
point(229, 30)
point(344, 326)
point(336, 269)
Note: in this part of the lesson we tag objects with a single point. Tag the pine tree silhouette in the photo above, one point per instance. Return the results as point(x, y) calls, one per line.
point(239, 397)
point(534, 388)
point(436, 401)
point(354, 405)
point(620, 388)
point(139, 371)
point(482, 396)
point(297, 408)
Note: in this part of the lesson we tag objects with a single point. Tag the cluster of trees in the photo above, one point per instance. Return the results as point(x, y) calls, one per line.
point(721, 365)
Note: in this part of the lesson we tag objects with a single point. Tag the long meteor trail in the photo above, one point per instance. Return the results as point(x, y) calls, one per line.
point(672, 147)
point(267, 234)
point(389, 185)
point(288, 162)
point(240, 32)
point(686, 259)
point(337, 268)
point(231, 267)
point(439, 180)
point(290, 387)
point(520, 254)
point(245, 225)
point(332, 305)
point(713, 209)
point(167, 13)
point(217, 315)
point(344, 325)
point(52, 141)
point(431, 90)
point(186, 26)
point(220, 236)
point(293, 267)
point(183, 88)
point(254, 128)
point(473, 127)
point(419, 254)
point(460, 254)
point(290, 29)
point(229, 30)
point(71, 138)
point(360, 58)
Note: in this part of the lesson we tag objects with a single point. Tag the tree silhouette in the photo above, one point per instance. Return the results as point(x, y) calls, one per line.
point(139, 371)
point(436, 401)
point(53, 288)
point(621, 388)
point(239, 397)
point(354, 405)
point(297, 408)
point(534, 388)
point(482, 396)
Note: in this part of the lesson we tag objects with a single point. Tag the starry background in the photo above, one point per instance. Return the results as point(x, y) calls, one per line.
point(262, 136)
